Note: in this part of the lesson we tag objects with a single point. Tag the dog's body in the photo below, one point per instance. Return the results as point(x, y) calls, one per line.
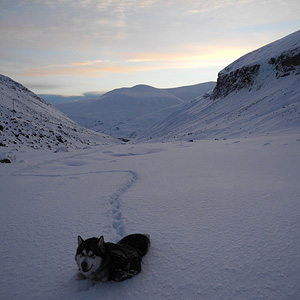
point(101, 261)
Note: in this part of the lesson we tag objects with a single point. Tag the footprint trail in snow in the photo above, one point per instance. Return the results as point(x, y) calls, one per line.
point(118, 222)
point(74, 161)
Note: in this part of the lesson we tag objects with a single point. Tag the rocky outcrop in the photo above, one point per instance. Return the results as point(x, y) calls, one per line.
point(257, 94)
point(284, 65)
point(235, 81)
point(287, 63)
point(278, 59)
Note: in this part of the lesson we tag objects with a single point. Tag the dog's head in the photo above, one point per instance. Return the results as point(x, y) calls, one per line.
point(89, 255)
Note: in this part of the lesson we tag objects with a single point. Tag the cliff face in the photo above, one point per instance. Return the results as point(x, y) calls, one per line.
point(257, 94)
point(235, 81)
point(268, 61)
point(287, 63)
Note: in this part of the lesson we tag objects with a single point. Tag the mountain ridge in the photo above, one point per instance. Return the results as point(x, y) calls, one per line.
point(127, 112)
point(258, 93)
point(27, 120)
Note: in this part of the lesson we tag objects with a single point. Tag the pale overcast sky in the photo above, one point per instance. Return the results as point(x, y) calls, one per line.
point(72, 47)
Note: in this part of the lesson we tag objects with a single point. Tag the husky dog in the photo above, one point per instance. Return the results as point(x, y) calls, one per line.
point(104, 261)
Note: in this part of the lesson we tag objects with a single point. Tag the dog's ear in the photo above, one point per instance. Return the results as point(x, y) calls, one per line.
point(80, 240)
point(100, 243)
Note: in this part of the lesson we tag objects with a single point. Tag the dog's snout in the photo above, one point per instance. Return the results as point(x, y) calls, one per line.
point(84, 265)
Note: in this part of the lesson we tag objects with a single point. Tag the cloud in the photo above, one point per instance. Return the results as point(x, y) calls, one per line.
point(111, 40)
point(86, 63)
point(61, 3)
point(105, 4)
point(146, 4)
point(84, 69)
point(197, 54)
point(43, 86)
point(189, 56)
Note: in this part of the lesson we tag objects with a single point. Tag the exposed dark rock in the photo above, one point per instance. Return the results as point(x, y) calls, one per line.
point(235, 80)
point(5, 161)
point(287, 63)
point(124, 140)
point(60, 139)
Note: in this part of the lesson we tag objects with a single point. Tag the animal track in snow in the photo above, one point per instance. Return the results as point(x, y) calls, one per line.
point(117, 222)
point(114, 198)
point(114, 204)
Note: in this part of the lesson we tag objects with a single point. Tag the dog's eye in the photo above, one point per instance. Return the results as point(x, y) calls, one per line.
point(93, 256)
point(82, 254)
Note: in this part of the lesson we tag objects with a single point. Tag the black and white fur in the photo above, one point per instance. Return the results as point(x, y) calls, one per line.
point(103, 261)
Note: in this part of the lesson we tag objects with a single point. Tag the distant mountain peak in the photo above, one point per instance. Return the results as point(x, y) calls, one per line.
point(128, 112)
point(143, 87)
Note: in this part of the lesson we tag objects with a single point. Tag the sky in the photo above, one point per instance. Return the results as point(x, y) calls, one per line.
point(82, 47)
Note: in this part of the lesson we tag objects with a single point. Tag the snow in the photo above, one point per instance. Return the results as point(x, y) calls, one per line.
point(223, 216)
point(260, 111)
point(27, 120)
point(264, 54)
point(269, 104)
point(222, 211)
point(128, 112)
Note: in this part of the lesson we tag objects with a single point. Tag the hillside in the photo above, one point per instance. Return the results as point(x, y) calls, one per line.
point(27, 120)
point(257, 94)
point(128, 112)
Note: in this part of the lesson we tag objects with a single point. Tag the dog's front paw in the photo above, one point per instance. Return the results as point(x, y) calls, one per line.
point(80, 276)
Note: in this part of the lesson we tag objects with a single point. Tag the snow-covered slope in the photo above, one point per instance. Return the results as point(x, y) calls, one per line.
point(257, 94)
point(26, 119)
point(190, 92)
point(127, 112)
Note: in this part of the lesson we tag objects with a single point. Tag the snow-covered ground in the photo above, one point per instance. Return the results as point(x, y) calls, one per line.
point(223, 216)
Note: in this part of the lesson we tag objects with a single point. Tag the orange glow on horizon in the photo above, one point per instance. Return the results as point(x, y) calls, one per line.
point(198, 57)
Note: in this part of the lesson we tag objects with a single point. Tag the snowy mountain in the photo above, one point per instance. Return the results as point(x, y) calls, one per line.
point(257, 94)
point(128, 112)
point(26, 119)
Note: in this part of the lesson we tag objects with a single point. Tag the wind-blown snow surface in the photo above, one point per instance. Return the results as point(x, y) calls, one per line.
point(223, 216)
